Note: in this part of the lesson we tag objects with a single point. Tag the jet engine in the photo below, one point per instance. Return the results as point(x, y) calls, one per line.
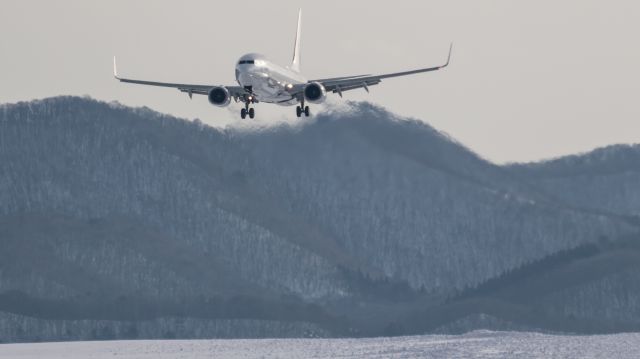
point(219, 96)
point(315, 92)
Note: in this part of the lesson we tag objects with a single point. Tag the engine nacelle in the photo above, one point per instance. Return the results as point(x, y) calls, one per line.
point(219, 96)
point(315, 93)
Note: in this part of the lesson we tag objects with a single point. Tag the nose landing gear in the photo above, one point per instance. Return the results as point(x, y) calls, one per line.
point(248, 111)
point(244, 112)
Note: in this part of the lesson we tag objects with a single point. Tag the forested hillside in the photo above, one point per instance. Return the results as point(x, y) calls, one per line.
point(115, 220)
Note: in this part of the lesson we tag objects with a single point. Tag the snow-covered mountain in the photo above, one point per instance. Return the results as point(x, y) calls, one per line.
point(605, 179)
point(113, 218)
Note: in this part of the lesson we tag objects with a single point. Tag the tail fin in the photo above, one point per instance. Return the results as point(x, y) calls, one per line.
point(295, 64)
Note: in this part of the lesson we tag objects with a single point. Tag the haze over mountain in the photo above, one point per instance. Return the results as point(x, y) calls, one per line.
point(126, 223)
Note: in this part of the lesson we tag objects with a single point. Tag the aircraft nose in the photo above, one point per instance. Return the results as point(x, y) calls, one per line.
point(257, 74)
point(252, 76)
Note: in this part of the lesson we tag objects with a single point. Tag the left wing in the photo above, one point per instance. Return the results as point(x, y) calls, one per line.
point(341, 84)
point(235, 91)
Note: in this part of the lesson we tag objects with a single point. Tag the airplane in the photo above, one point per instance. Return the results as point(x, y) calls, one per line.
point(261, 80)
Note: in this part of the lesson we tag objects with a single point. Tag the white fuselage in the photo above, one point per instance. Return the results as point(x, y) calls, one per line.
point(268, 81)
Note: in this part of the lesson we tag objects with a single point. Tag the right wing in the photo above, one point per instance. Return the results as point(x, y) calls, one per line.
point(235, 91)
point(340, 84)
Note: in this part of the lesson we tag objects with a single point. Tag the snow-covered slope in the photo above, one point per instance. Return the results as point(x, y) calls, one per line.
point(119, 215)
point(479, 344)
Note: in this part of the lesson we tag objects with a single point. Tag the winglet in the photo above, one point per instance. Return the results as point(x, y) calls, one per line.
point(448, 57)
point(115, 69)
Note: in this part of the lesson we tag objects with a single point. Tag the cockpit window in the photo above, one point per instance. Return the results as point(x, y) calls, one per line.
point(246, 62)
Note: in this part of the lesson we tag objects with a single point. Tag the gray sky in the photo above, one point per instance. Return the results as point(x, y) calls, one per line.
point(528, 79)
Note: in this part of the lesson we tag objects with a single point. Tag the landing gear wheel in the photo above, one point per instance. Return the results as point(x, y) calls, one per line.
point(243, 113)
point(306, 111)
point(299, 111)
point(252, 113)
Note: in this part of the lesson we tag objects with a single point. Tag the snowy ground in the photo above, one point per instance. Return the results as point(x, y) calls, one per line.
point(480, 344)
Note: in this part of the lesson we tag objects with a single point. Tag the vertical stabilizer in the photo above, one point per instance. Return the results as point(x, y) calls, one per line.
point(295, 64)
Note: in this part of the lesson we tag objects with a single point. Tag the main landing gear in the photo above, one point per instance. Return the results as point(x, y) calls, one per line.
point(300, 110)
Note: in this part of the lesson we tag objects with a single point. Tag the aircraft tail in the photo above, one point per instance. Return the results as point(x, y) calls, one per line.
point(295, 64)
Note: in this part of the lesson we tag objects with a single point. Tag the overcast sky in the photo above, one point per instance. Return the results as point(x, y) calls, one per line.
point(528, 79)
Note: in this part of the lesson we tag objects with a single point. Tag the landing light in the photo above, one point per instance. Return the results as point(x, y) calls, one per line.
point(289, 86)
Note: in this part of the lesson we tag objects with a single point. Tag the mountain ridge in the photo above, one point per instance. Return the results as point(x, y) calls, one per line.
point(360, 214)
